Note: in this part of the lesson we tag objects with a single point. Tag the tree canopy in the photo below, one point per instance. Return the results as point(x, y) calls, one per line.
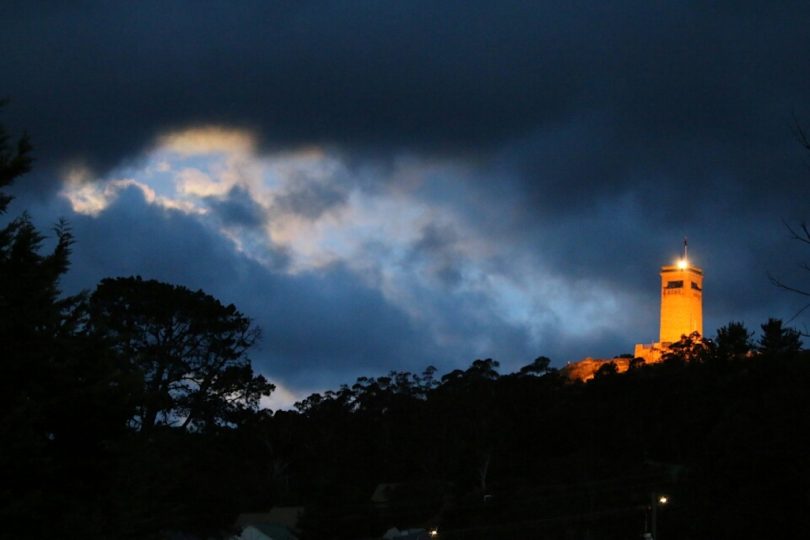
point(189, 352)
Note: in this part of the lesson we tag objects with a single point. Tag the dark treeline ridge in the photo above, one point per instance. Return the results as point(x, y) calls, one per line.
point(133, 412)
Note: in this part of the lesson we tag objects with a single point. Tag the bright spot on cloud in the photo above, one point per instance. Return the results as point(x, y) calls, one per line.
point(207, 140)
point(195, 183)
point(93, 198)
point(422, 253)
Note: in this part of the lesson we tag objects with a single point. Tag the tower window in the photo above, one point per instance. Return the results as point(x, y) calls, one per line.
point(696, 286)
point(675, 284)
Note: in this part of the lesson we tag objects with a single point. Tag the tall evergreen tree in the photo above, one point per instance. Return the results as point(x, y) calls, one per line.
point(35, 337)
point(733, 341)
point(777, 339)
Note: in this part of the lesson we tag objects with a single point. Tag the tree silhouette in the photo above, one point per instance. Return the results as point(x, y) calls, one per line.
point(800, 233)
point(539, 366)
point(15, 161)
point(778, 340)
point(691, 348)
point(50, 383)
point(29, 307)
point(606, 370)
point(188, 350)
point(733, 341)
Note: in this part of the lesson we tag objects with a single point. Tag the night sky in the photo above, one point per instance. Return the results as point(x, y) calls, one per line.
point(389, 185)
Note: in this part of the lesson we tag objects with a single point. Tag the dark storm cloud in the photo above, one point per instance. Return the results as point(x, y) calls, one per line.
point(438, 245)
point(418, 74)
point(237, 207)
point(132, 237)
point(600, 135)
point(309, 198)
point(583, 102)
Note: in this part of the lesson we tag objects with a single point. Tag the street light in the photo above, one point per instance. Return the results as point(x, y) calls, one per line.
point(655, 502)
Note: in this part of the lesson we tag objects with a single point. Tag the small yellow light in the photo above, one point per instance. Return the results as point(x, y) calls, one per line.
point(434, 533)
point(663, 499)
point(683, 264)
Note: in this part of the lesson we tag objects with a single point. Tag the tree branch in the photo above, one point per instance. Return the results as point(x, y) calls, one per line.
point(802, 234)
point(782, 285)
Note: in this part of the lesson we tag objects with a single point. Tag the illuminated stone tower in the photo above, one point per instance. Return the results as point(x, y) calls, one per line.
point(681, 300)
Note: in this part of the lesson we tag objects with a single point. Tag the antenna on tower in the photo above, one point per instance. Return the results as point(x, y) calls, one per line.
point(685, 247)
